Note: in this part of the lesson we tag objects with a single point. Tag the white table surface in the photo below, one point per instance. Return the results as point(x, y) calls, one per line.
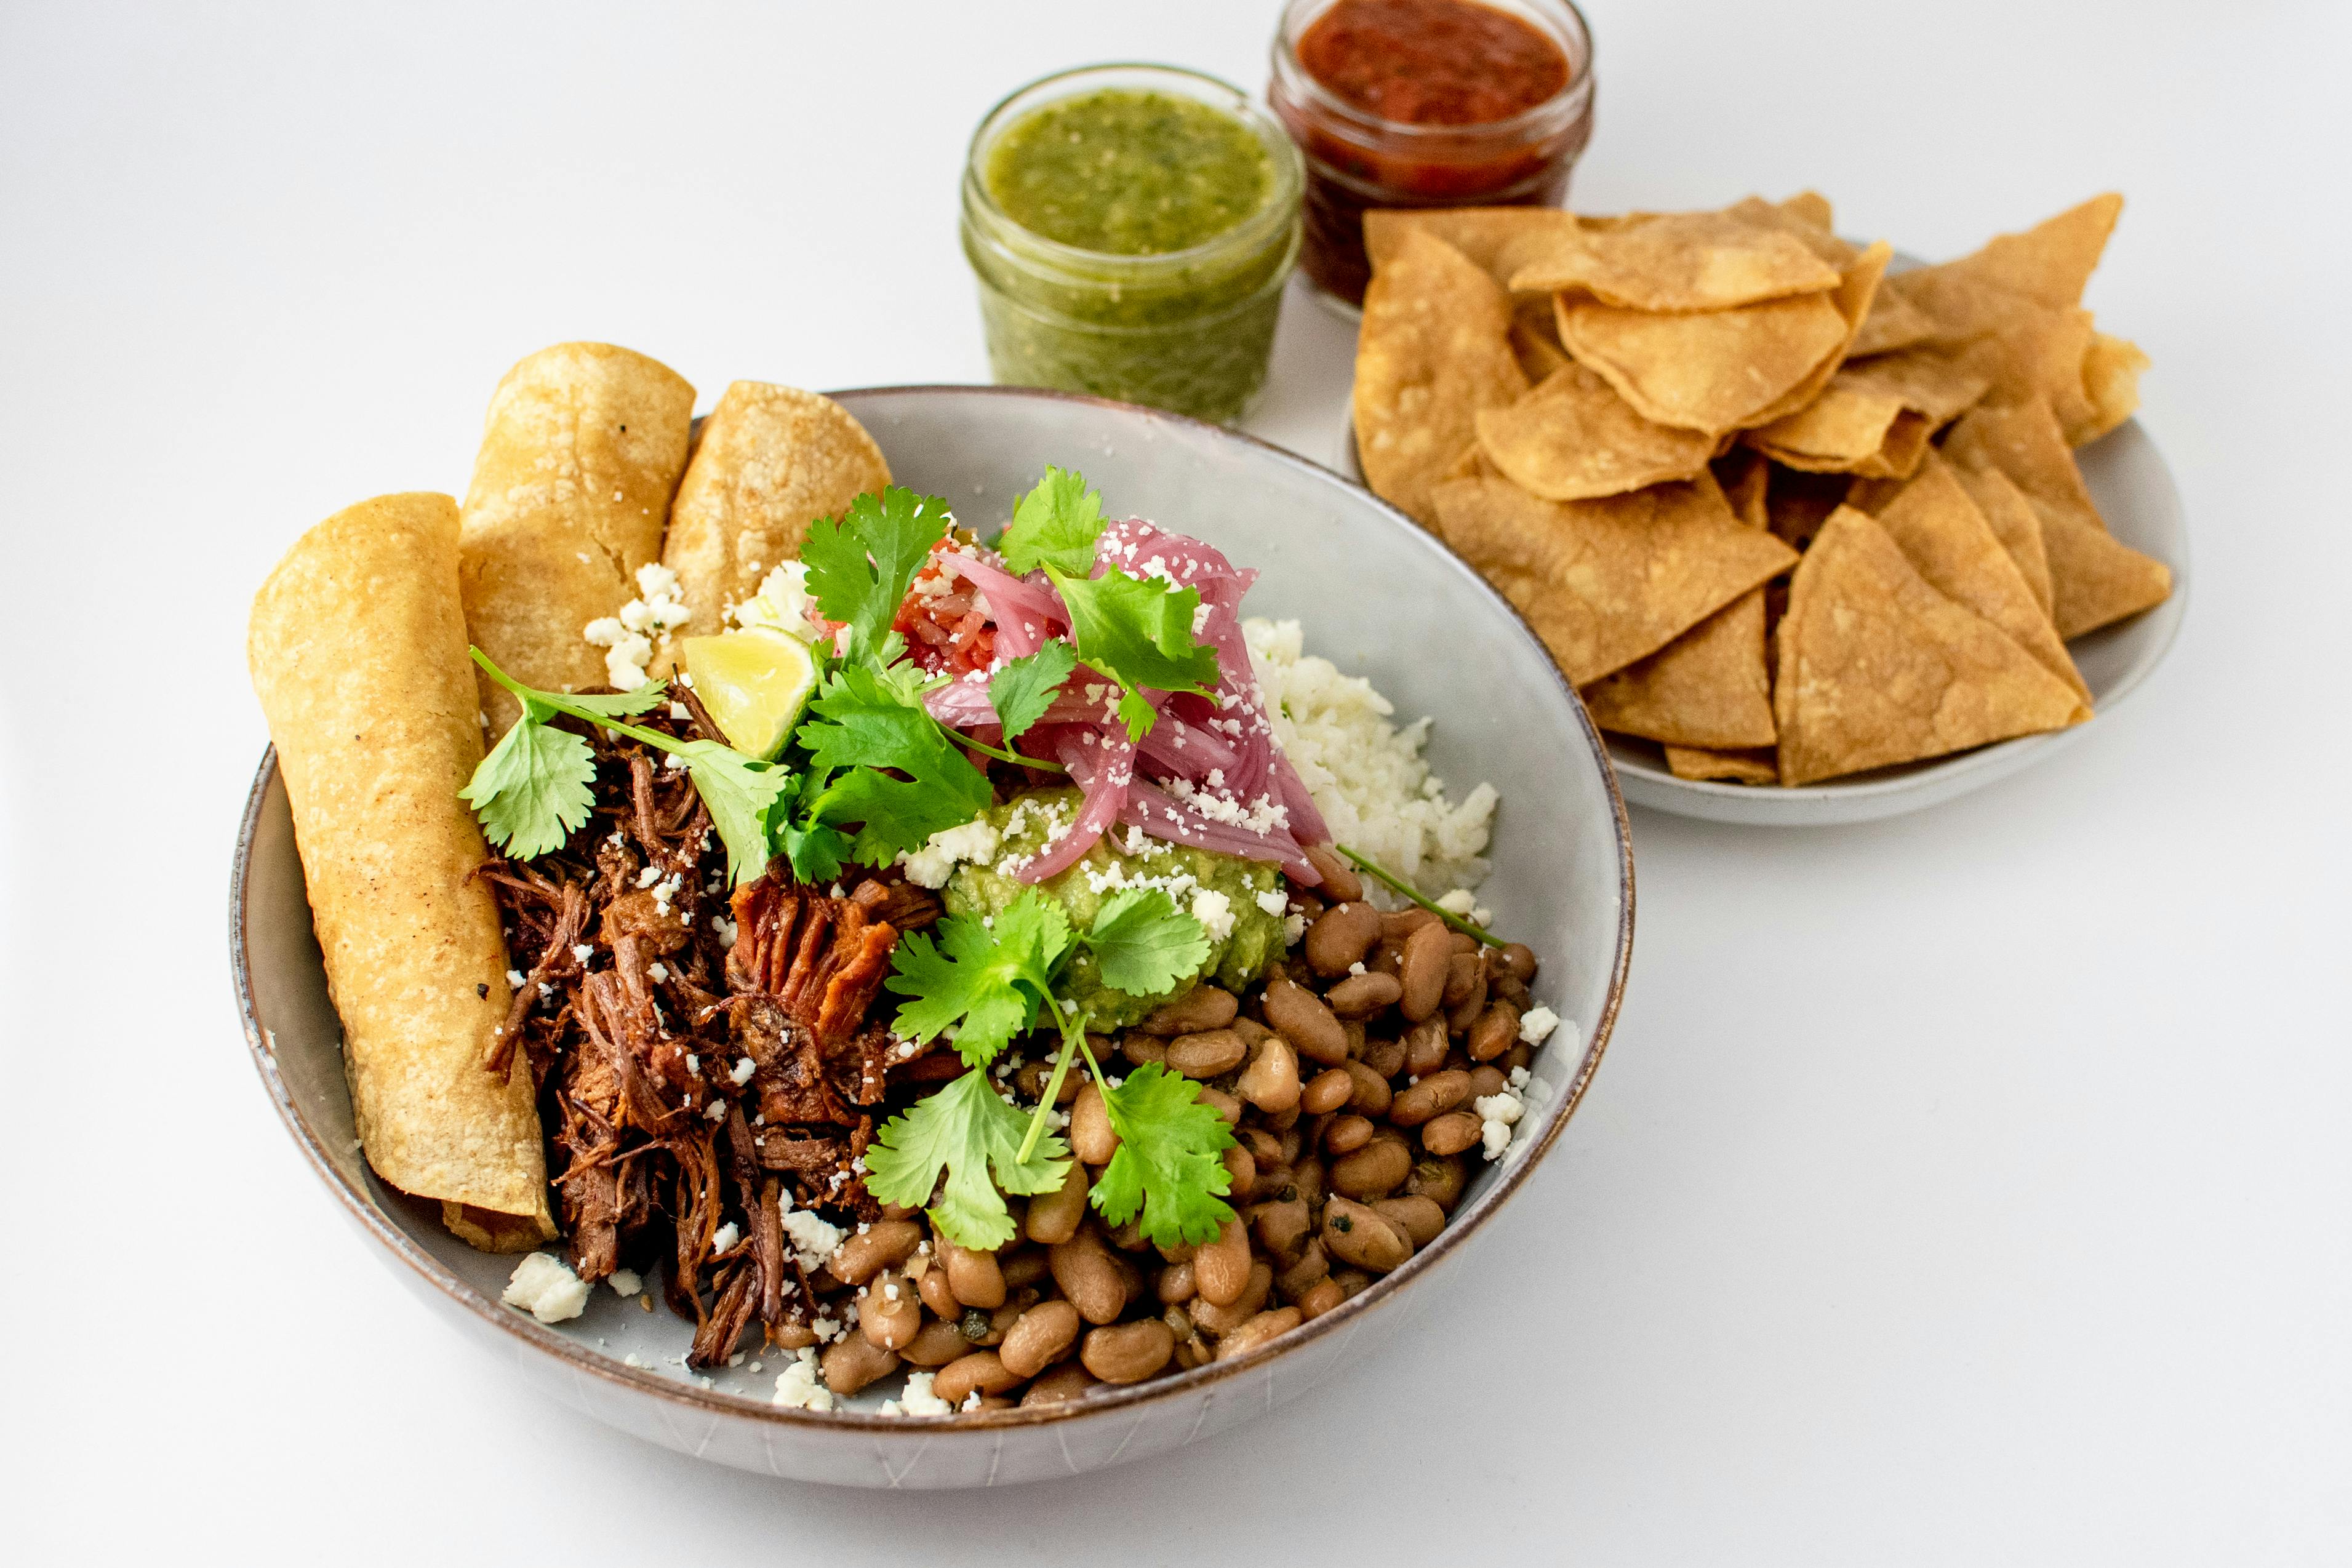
point(1966, 1188)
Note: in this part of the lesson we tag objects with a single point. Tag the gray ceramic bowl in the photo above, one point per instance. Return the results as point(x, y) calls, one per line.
point(1380, 597)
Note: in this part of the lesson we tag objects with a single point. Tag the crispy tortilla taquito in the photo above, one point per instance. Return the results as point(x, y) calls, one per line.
point(769, 461)
point(580, 453)
point(358, 652)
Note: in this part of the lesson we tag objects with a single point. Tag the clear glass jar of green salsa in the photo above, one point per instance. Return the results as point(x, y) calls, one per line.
point(1131, 227)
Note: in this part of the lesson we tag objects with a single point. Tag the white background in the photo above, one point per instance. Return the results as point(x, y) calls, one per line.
point(1973, 1188)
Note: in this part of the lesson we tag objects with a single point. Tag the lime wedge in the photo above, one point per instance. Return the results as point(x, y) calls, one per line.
point(754, 682)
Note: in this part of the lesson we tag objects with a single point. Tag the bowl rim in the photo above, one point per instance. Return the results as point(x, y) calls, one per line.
point(579, 1359)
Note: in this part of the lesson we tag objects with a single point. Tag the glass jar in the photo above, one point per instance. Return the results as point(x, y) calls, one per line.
point(1357, 160)
point(1188, 330)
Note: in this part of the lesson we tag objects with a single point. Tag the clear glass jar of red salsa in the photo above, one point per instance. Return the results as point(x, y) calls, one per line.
point(1426, 103)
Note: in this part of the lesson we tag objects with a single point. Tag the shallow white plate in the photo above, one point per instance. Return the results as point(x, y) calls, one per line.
point(2134, 489)
point(1376, 594)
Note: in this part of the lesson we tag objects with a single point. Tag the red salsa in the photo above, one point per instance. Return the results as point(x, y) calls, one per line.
point(1431, 62)
point(1426, 103)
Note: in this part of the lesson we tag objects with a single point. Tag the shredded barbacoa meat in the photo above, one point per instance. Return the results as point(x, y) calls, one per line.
point(635, 1011)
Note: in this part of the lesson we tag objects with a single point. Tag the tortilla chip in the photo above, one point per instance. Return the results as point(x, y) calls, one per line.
point(1813, 208)
point(2041, 353)
point(1534, 338)
point(2111, 374)
point(1949, 543)
point(1707, 688)
point(1852, 298)
point(2048, 265)
point(2023, 440)
point(1500, 240)
point(1715, 371)
point(1835, 433)
point(2013, 521)
point(1894, 323)
point(1606, 582)
point(1875, 415)
point(2095, 579)
point(1435, 349)
point(1572, 438)
point(1797, 503)
point(1726, 767)
point(1681, 262)
point(1876, 668)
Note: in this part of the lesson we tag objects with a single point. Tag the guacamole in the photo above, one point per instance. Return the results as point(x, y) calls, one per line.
point(1235, 958)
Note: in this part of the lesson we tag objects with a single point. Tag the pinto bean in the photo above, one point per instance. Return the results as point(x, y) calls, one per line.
point(1329, 1091)
point(982, 1371)
point(1139, 1049)
point(1439, 1180)
point(1492, 1035)
point(1340, 884)
point(1224, 1104)
point(1270, 1082)
point(1202, 1007)
point(1267, 1326)
point(1212, 1318)
point(1091, 1138)
point(1340, 937)
point(1281, 1224)
point(1487, 1079)
point(1083, 1269)
point(932, 1286)
point(973, 1277)
point(1358, 1234)
point(1220, 1268)
point(850, 1363)
point(1298, 1015)
point(1042, 1336)
point(1241, 1173)
point(1319, 1299)
point(884, 1244)
point(1374, 1171)
point(1054, 1216)
point(1065, 1382)
point(1452, 1132)
point(1361, 996)
point(1432, 1097)
point(935, 1343)
point(1176, 1285)
point(1385, 1057)
point(889, 1314)
point(1129, 1353)
point(1209, 1054)
point(1371, 1095)
point(1299, 1277)
point(1425, 1046)
point(1428, 957)
point(1343, 1135)
point(1398, 925)
point(1421, 1217)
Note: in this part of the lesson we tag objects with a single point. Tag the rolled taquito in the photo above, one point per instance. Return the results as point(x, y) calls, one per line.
point(358, 652)
point(769, 461)
point(580, 453)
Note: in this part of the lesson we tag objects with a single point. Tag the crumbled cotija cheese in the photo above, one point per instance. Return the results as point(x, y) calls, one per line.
point(797, 1385)
point(1335, 728)
point(935, 862)
point(917, 1399)
point(628, 637)
point(546, 1289)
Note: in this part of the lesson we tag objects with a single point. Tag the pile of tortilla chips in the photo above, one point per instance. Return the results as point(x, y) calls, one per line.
point(1782, 512)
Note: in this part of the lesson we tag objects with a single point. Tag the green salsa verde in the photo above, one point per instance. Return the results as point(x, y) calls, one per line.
point(1128, 173)
point(1234, 960)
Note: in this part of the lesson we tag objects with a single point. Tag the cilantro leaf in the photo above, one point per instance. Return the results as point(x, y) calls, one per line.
point(742, 795)
point(859, 566)
point(966, 1130)
point(1140, 633)
point(1144, 944)
point(1025, 687)
point(868, 720)
point(1055, 525)
point(1167, 1164)
point(990, 977)
point(534, 788)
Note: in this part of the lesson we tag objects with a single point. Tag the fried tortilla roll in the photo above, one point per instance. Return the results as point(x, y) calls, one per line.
point(358, 652)
point(770, 460)
point(580, 453)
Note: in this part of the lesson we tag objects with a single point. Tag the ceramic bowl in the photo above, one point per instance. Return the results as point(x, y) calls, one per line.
point(1377, 595)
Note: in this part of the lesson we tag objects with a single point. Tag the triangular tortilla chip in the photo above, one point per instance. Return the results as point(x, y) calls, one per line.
point(2095, 579)
point(1949, 542)
point(2040, 353)
point(1573, 437)
point(2014, 523)
point(1875, 415)
point(1851, 297)
point(1435, 349)
point(1707, 688)
point(1606, 582)
point(2024, 441)
point(1727, 767)
point(1681, 262)
point(1724, 370)
point(2048, 265)
point(2111, 374)
point(1498, 240)
point(1894, 323)
point(1809, 207)
point(1876, 668)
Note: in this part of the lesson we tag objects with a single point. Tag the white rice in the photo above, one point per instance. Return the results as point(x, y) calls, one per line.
point(1366, 775)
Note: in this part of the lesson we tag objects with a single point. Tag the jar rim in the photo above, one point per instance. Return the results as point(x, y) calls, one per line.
point(1278, 210)
point(1570, 30)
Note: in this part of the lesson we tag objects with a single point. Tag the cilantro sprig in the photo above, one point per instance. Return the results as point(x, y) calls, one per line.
point(1139, 632)
point(989, 981)
point(536, 787)
point(860, 565)
point(1055, 525)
